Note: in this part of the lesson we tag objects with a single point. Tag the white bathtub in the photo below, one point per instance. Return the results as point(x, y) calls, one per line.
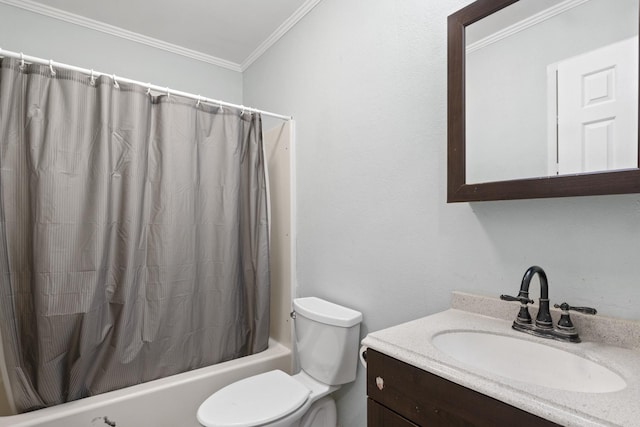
point(167, 402)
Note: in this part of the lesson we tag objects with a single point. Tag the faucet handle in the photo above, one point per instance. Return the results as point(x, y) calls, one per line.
point(522, 300)
point(523, 318)
point(566, 307)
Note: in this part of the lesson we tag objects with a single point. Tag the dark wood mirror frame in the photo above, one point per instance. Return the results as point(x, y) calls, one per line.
point(588, 184)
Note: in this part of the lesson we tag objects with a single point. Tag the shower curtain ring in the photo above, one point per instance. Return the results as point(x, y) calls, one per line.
point(53, 72)
point(168, 93)
point(115, 82)
point(21, 60)
point(93, 78)
point(198, 103)
point(148, 88)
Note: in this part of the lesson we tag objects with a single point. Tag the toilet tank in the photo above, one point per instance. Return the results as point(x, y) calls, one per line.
point(327, 337)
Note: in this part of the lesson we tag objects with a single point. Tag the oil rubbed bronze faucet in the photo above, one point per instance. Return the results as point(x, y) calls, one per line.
point(543, 326)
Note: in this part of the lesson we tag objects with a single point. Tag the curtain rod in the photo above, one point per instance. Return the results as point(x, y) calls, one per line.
point(53, 65)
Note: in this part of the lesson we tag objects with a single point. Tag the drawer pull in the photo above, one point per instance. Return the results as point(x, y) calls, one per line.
point(380, 383)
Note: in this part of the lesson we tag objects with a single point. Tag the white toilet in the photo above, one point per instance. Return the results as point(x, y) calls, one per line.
point(327, 338)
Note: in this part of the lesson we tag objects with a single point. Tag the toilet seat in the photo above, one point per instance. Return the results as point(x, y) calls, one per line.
point(253, 401)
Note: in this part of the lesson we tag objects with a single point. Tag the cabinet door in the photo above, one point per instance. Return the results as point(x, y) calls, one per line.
point(379, 416)
point(431, 401)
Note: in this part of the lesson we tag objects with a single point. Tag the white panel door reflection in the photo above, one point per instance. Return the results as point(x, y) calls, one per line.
point(597, 106)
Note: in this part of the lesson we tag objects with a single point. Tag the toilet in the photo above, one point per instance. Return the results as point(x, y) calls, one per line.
point(327, 338)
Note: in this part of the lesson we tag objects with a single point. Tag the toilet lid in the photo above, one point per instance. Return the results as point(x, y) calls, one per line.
point(253, 401)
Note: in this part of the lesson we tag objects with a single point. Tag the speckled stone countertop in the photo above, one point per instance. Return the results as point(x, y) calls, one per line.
point(618, 350)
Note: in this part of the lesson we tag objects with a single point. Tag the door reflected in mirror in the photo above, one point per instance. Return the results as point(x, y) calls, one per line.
point(551, 88)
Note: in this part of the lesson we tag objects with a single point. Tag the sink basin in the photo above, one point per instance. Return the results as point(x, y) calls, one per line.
point(528, 361)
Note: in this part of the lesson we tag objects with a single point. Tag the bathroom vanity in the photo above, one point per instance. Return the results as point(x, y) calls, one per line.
point(402, 395)
point(466, 366)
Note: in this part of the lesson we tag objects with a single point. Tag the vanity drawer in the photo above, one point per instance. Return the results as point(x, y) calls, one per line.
point(431, 401)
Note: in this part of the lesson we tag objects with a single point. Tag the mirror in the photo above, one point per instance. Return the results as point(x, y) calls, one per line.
point(543, 99)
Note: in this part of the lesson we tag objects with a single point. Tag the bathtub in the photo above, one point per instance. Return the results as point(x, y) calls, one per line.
point(167, 402)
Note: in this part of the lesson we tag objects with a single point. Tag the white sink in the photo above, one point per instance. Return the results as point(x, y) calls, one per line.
point(528, 361)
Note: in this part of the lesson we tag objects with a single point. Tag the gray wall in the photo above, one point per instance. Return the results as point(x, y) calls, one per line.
point(366, 82)
point(41, 36)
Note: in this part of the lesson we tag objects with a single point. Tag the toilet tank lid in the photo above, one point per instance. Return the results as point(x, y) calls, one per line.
point(326, 312)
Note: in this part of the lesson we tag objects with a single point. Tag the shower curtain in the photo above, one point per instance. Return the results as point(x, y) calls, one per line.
point(133, 234)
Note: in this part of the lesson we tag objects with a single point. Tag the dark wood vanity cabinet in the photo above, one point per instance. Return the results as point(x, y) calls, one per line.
point(402, 395)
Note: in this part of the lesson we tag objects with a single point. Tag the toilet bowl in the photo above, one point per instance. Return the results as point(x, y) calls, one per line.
point(327, 341)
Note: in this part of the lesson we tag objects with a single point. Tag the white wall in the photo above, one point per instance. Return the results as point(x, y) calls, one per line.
point(41, 36)
point(366, 82)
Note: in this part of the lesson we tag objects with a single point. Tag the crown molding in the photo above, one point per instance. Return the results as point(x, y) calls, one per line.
point(524, 24)
point(92, 24)
point(300, 13)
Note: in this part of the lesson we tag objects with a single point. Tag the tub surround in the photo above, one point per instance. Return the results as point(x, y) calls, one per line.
point(614, 343)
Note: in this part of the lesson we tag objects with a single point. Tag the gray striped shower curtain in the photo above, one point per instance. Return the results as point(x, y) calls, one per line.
point(133, 234)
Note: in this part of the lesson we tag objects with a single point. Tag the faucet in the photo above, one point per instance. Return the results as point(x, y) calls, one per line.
point(543, 326)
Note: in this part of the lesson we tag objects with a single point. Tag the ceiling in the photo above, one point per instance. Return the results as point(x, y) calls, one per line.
point(229, 33)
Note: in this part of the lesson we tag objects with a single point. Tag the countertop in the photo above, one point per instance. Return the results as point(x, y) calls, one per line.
point(411, 343)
